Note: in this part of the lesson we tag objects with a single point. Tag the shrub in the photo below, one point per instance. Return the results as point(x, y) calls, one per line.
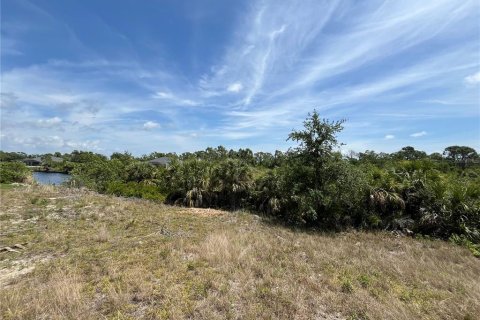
point(13, 172)
point(135, 189)
point(97, 174)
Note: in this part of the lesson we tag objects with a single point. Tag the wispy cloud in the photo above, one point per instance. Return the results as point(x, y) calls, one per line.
point(49, 123)
point(47, 143)
point(396, 65)
point(294, 78)
point(270, 41)
point(418, 134)
point(173, 99)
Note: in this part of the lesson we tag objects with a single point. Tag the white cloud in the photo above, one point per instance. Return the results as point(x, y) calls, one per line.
point(84, 145)
point(150, 125)
point(418, 134)
point(174, 99)
point(235, 87)
point(48, 143)
point(49, 123)
point(389, 137)
point(162, 95)
point(473, 79)
point(38, 142)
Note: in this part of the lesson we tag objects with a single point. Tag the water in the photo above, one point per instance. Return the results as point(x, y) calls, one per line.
point(50, 177)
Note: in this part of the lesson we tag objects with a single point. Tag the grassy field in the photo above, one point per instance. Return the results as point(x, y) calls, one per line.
point(75, 254)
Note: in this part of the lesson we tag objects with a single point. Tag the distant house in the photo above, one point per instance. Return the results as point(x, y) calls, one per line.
point(163, 161)
point(32, 161)
point(37, 161)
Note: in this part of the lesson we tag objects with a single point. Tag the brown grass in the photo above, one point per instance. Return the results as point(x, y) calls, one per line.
point(129, 259)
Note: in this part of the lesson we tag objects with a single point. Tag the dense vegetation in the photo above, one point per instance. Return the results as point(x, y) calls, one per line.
point(11, 172)
point(311, 185)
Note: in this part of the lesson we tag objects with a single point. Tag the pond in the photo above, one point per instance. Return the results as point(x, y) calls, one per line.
point(50, 177)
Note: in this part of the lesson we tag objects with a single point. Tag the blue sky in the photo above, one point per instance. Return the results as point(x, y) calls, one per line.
point(145, 76)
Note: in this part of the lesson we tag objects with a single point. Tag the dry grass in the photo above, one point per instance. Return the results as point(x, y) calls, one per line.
point(128, 259)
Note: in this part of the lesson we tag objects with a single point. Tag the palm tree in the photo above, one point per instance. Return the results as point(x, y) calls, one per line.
point(232, 178)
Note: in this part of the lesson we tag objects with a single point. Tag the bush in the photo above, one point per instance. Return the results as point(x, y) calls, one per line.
point(135, 190)
point(334, 200)
point(13, 172)
point(200, 183)
point(97, 174)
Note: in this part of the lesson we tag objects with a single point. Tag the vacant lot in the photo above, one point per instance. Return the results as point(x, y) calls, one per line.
point(74, 254)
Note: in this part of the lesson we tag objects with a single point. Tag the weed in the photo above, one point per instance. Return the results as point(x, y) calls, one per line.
point(365, 280)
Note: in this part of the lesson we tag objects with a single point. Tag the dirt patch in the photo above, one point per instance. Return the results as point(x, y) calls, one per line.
point(205, 212)
point(12, 269)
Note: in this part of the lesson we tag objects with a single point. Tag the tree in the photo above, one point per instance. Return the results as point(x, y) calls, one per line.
point(436, 156)
point(139, 171)
point(409, 153)
point(370, 156)
point(189, 182)
point(320, 187)
point(12, 156)
point(460, 154)
point(222, 152)
point(86, 156)
point(246, 155)
point(352, 156)
point(232, 179)
point(317, 141)
point(125, 157)
point(265, 159)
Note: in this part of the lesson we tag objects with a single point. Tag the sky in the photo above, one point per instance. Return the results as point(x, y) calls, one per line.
point(176, 76)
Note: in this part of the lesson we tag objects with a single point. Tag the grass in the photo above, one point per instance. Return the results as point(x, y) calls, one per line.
point(7, 186)
point(90, 256)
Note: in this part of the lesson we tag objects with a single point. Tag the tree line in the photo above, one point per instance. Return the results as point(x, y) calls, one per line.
point(310, 185)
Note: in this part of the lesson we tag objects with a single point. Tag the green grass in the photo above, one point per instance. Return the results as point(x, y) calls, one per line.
point(97, 256)
point(7, 186)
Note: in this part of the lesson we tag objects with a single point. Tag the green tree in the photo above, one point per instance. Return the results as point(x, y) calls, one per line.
point(139, 171)
point(12, 156)
point(232, 179)
point(125, 157)
point(189, 182)
point(436, 156)
point(264, 159)
point(86, 157)
point(409, 153)
point(319, 186)
point(460, 154)
point(316, 142)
